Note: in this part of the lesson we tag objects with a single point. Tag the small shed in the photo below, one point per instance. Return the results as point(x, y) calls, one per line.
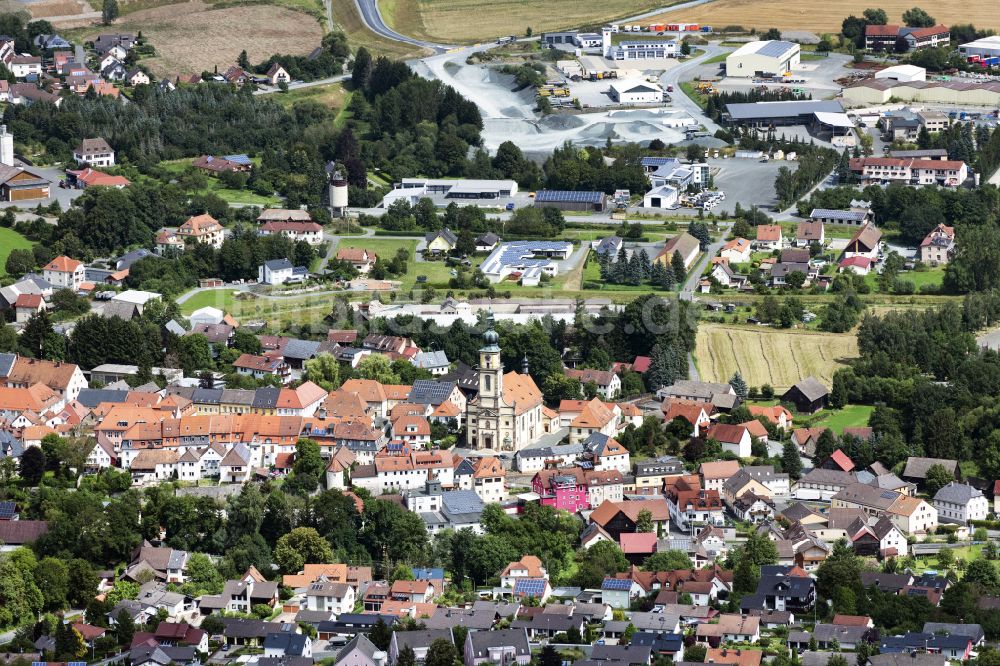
point(808, 395)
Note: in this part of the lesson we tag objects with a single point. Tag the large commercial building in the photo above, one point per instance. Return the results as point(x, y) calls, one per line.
point(963, 93)
point(639, 48)
point(904, 73)
point(987, 47)
point(794, 112)
point(465, 192)
point(949, 173)
point(773, 57)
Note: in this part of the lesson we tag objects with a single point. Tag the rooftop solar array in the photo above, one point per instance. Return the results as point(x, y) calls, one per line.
point(568, 196)
point(837, 214)
point(620, 584)
point(775, 48)
point(531, 587)
point(7, 510)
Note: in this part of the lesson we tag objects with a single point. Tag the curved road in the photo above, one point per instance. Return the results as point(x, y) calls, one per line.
point(372, 17)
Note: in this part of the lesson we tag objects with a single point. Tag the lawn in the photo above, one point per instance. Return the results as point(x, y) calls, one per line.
point(330, 95)
point(764, 355)
point(851, 416)
point(216, 187)
point(931, 276)
point(216, 298)
point(10, 240)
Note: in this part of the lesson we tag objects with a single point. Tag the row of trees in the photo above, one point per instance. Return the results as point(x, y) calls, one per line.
point(638, 269)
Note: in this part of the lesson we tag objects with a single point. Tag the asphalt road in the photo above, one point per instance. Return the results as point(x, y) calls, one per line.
point(672, 77)
point(371, 15)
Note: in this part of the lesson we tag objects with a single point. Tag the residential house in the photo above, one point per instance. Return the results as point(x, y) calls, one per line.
point(684, 244)
point(769, 237)
point(938, 246)
point(608, 384)
point(960, 503)
point(330, 596)
point(361, 259)
point(64, 273)
point(277, 75)
point(94, 152)
point(202, 229)
point(807, 233)
point(736, 251)
point(504, 646)
point(734, 439)
point(441, 242)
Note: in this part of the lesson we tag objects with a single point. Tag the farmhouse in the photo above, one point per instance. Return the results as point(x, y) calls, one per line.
point(763, 58)
point(865, 242)
point(958, 502)
point(808, 233)
point(636, 92)
point(94, 152)
point(685, 244)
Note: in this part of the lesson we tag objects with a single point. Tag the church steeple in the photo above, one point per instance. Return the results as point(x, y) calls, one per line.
point(490, 367)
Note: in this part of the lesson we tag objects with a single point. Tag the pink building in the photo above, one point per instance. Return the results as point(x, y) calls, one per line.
point(562, 489)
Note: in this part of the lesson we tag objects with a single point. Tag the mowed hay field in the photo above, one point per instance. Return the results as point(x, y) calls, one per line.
point(772, 356)
point(465, 21)
point(827, 16)
point(192, 37)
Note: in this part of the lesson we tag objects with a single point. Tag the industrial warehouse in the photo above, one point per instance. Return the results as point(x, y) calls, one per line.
point(769, 58)
point(963, 92)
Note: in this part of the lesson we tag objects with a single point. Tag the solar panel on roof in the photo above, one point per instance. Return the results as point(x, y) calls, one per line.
point(775, 49)
point(563, 196)
point(621, 584)
point(888, 494)
point(7, 510)
point(532, 587)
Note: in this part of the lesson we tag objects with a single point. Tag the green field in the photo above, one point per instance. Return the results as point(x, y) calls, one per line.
point(851, 416)
point(10, 240)
point(216, 298)
point(216, 187)
point(932, 276)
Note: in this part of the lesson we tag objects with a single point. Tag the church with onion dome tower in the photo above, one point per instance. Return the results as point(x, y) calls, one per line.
point(507, 413)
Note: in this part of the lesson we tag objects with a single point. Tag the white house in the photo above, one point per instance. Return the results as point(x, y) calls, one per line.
point(324, 595)
point(958, 502)
point(735, 439)
point(279, 271)
point(64, 273)
point(736, 251)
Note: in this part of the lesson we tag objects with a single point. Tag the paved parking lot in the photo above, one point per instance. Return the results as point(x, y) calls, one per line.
point(749, 182)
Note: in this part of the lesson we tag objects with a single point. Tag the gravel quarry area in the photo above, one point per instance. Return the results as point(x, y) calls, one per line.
point(509, 115)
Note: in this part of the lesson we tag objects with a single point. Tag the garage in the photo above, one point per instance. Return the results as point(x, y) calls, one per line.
point(636, 92)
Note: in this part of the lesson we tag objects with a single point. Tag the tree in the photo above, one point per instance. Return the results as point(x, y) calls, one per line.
point(772, 33)
point(644, 521)
point(937, 478)
point(362, 69)
point(378, 368)
point(243, 60)
point(19, 262)
point(946, 557)
point(677, 262)
point(983, 573)
point(69, 642)
point(667, 560)
point(739, 385)
point(32, 465)
point(124, 627)
point(308, 459)
point(791, 462)
point(441, 652)
point(301, 546)
point(407, 657)
point(109, 12)
point(876, 16)
point(840, 573)
point(323, 371)
point(627, 634)
point(401, 572)
point(549, 657)
point(918, 18)
point(52, 578)
point(685, 48)
point(695, 653)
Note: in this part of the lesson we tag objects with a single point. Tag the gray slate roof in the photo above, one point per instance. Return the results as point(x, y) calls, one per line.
point(957, 493)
